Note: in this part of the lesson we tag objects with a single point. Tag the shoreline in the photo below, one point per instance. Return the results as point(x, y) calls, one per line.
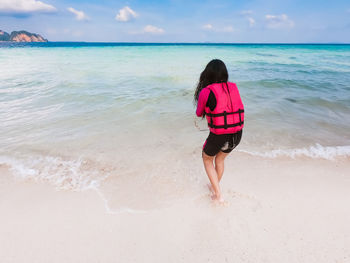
point(278, 208)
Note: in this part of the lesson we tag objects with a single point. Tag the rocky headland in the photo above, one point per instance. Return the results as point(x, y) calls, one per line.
point(21, 36)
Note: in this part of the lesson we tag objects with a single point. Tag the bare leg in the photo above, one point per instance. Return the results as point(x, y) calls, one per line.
point(212, 175)
point(219, 164)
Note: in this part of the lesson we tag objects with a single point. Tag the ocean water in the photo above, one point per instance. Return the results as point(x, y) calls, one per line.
point(104, 115)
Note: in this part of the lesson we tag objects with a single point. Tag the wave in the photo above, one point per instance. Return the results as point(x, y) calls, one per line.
point(65, 174)
point(75, 175)
point(316, 152)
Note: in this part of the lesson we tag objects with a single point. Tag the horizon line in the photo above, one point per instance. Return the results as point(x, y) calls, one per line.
point(214, 43)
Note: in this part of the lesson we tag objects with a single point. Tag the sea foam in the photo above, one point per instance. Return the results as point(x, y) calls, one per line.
point(64, 174)
point(316, 152)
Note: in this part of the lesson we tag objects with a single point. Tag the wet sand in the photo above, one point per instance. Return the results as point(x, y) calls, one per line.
point(280, 210)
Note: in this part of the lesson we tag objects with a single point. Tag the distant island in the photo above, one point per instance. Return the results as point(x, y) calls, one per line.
point(21, 36)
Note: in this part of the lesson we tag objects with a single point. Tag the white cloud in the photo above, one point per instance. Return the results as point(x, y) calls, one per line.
point(248, 16)
point(126, 14)
point(25, 7)
point(251, 21)
point(79, 15)
point(210, 27)
point(278, 21)
point(153, 29)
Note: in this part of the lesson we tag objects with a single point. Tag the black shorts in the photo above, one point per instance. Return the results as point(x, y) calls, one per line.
point(223, 142)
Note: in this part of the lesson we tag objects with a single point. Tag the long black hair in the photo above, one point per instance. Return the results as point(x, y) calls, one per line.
point(214, 72)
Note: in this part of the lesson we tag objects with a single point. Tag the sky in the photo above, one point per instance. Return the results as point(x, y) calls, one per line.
point(235, 21)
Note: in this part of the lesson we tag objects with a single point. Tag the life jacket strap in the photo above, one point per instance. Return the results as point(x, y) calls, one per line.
point(225, 126)
point(224, 113)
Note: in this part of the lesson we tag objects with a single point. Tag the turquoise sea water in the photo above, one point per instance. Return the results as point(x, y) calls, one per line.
point(76, 111)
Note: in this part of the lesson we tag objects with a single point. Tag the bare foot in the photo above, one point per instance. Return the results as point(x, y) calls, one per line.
point(220, 201)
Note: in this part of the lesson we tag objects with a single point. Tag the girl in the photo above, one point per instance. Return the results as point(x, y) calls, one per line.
point(220, 102)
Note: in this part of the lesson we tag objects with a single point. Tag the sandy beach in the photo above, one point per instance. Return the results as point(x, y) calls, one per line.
point(108, 107)
point(100, 155)
point(280, 210)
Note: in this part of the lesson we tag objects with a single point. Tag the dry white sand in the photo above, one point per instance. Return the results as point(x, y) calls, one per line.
point(281, 210)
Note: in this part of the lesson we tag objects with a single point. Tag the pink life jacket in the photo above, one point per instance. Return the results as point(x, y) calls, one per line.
point(228, 115)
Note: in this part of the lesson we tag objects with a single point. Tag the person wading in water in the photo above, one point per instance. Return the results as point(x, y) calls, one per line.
point(219, 101)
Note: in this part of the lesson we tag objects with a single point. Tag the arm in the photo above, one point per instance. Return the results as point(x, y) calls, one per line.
point(202, 101)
